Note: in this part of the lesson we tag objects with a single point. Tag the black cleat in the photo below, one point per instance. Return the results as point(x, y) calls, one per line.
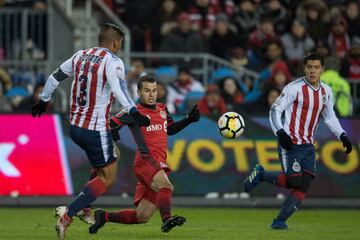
point(99, 217)
point(172, 222)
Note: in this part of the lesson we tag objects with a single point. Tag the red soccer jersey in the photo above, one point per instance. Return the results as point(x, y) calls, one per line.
point(151, 139)
point(155, 135)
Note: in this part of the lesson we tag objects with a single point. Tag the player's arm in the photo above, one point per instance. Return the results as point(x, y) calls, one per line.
point(116, 79)
point(175, 127)
point(333, 123)
point(64, 71)
point(284, 101)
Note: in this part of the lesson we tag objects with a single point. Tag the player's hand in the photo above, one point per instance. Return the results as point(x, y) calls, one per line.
point(346, 143)
point(284, 139)
point(141, 119)
point(39, 108)
point(194, 114)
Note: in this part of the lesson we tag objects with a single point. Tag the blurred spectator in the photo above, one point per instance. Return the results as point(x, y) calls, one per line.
point(38, 4)
point(202, 15)
point(340, 87)
point(317, 15)
point(137, 69)
point(231, 93)
point(184, 84)
point(212, 104)
point(26, 104)
point(263, 105)
point(5, 105)
point(239, 57)
point(296, 43)
point(164, 21)
point(350, 66)
point(353, 18)
point(5, 80)
point(182, 38)
point(280, 75)
point(274, 10)
point(223, 39)
point(246, 18)
point(339, 40)
point(257, 41)
point(322, 47)
point(162, 96)
point(138, 16)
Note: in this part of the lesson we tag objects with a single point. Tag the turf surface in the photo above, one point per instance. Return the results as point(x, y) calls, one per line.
point(203, 223)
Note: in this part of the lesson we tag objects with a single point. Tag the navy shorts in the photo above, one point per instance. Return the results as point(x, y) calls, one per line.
point(300, 159)
point(98, 145)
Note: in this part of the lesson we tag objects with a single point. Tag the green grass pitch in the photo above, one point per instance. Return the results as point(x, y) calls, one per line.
point(203, 223)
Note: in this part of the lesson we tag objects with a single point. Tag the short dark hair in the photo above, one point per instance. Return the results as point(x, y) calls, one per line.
point(109, 32)
point(314, 56)
point(145, 78)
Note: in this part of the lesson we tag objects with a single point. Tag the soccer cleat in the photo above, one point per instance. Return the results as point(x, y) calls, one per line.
point(254, 178)
point(62, 224)
point(172, 222)
point(84, 215)
point(99, 217)
point(279, 225)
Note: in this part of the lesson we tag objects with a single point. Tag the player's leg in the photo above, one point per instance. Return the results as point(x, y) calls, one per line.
point(144, 199)
point(98, 147)
point(300, 185)
point(162, 185)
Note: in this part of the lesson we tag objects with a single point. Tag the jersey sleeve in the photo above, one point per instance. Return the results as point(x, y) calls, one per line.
point(64, 71)
point(329, 116)
point(286, 98)
point(116, 78)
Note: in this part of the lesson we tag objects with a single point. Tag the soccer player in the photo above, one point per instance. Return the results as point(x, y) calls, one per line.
point(98, 78)
point(154, 189)
point(303, 101)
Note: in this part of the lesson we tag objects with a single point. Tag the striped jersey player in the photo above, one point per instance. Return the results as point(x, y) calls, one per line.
point(98, 78)
point(304, 102)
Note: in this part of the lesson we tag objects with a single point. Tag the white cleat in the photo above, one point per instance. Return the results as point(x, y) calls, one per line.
point(62, 224)
point(86, 215)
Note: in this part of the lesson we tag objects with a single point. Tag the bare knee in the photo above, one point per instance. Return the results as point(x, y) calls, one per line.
point(143, 215)
point(108, 180)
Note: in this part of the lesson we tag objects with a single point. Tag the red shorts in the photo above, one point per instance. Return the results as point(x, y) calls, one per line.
point(145, 168)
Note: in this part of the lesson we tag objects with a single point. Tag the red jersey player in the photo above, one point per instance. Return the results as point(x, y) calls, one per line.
point(154, 189)
point(303, 101)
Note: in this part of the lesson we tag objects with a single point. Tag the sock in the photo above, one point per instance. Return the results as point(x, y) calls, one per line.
point(163, 203)
point(127, 216)
point(277, 179)
point(91, 191)
point(93, 174)
point(291, 204)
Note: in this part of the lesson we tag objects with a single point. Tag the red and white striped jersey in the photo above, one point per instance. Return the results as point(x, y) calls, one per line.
point(99, 76)
point(303, 105)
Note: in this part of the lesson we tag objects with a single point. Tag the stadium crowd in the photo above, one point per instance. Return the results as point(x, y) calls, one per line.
point(269, 37)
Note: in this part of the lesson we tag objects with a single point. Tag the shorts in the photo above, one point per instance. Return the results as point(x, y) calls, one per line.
point(97, 145)
point(145, 168)
point(300, 159)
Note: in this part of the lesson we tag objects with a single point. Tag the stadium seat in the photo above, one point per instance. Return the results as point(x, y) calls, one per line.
point(166, 74)
point(191, 99)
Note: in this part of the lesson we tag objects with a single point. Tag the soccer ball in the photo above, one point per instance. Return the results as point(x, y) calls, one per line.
point(231, 125)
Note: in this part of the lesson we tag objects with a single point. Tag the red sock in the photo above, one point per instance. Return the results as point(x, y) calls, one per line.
point(127, 216)
point(281, 181)
point(163, 202)
point(299, 195)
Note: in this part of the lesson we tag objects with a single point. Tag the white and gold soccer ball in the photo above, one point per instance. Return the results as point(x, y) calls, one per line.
point(231, 125)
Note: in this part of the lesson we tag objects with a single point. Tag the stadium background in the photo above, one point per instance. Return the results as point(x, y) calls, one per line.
point(38, 159)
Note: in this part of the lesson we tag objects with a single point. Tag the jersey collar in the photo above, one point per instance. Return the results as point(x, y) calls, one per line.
point(303, 78)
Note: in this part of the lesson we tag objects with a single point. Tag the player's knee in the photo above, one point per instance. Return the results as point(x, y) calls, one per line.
point(109, 180)
point(143, 216)
point(294, 181)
